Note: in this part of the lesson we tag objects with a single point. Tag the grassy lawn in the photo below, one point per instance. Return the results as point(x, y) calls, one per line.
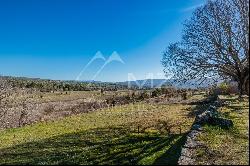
point(227, 146)
point(125, 134)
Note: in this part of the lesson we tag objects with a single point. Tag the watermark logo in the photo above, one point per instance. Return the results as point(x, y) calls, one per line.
point(114, 57)
point(148, 82)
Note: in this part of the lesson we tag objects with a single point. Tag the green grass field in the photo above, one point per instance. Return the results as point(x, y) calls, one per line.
point(108, 136)
point(128, 134)
point(227, 147)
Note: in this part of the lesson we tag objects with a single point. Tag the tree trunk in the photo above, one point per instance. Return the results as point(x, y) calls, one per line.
point(246, 85)
point(241, 89)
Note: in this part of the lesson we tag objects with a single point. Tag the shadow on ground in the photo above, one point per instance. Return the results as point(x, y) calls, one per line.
point(98, 146)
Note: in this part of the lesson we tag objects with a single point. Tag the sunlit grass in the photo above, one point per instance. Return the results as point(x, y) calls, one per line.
point(107, 136)
point(227, 146)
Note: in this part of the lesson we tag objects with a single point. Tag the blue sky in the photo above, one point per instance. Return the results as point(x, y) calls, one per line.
point(56, 39)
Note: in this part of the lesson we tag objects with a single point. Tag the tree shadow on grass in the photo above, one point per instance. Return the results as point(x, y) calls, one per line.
point(97, 146)
point(171, 156)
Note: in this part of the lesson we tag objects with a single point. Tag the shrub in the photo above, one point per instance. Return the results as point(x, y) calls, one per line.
point(184, 95)
point(157, 92)
point(225, 89)
point(144, 95)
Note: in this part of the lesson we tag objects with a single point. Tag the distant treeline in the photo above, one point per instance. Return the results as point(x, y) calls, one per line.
point(58, 85)
point(46, 85)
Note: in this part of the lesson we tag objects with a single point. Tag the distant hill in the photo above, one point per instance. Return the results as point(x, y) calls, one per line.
point(148, 83)
point(155, 83)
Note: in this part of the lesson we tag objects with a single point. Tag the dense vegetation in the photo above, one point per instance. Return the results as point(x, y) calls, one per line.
point(52, 85)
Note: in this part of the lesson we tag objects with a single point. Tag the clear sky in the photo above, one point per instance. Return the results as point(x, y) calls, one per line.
point(56, 39)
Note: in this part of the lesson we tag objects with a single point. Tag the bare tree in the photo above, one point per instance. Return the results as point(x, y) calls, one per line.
point(215, 44)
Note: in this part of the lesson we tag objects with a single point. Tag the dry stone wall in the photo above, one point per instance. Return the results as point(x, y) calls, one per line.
point(209, 116)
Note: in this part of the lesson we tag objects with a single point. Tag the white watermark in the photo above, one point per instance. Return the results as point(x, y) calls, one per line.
point(114, 57)
point(132, 81)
